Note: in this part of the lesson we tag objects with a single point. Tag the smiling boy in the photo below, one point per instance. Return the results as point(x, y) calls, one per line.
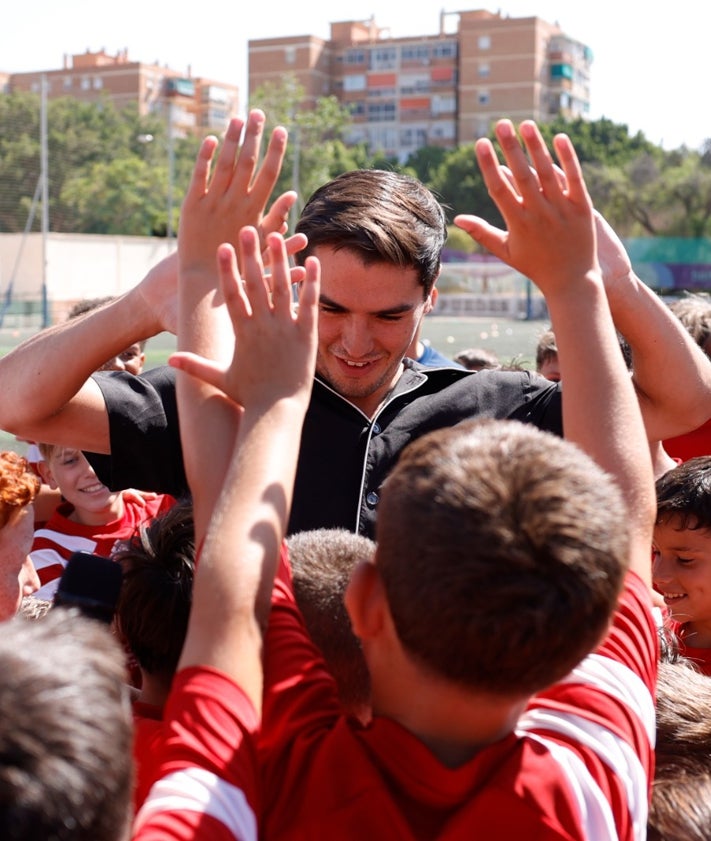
point(90, 518)
point(682, 555)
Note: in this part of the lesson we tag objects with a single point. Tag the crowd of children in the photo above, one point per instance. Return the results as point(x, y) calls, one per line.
point(361, 596)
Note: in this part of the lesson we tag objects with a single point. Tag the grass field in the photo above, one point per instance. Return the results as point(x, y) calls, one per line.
point(509, 339)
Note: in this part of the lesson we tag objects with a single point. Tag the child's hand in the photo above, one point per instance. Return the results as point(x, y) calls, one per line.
point(275, 342)
point(550, 234)
point(217, 206)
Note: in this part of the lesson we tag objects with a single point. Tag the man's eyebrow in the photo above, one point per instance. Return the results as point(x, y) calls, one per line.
point(396, 310)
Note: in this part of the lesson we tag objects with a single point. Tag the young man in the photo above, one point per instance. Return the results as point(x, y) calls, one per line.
point(509, 635)
point(378, 236)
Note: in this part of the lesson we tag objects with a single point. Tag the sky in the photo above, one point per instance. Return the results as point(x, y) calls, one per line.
point(649, 72)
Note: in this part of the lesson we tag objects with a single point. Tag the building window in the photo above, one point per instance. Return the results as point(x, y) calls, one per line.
point(484, 98)
point(419, 53)
point(381, 112)
point(446, 50)
point(290, 55)
point(85, 83)
point(356, 82)
point(383, 58)
point(98, 83)
point(484, 70)
point(355, 57)
point(67, 83)
point(484, 42)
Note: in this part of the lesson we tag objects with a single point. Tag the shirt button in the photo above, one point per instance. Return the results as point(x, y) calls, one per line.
point(372, 499)
point(376, 429)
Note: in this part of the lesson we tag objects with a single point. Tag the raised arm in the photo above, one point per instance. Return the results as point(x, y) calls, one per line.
point(551, 238)
point(47, 391)
point(217, 205)
point(671, 373)
point(270, 377)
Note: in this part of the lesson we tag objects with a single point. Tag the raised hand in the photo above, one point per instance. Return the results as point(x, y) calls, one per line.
point(275, 342)
point(550, 233)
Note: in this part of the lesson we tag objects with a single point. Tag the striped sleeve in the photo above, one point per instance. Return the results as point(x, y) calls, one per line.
point(206, 783)
point(599, 724)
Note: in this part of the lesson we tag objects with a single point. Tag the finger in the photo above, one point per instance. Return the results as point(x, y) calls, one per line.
point(515, 158)
point(201, 170)
point(268, 172)
point(280, 278)
point(224, 167)
point(576, 187)
point(196, 366)
point(499, 180)
point(256, 285)
point(296, 243)
point(248, 155)
point(543, 174)
point(277, 218)
point(233, 291)
point(309, 291)
point(493, 239)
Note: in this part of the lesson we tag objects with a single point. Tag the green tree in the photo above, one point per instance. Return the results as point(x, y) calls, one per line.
point(316, 148)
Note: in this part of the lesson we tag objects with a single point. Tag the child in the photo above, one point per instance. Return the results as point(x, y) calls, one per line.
point(681, 567)
point(91, 518)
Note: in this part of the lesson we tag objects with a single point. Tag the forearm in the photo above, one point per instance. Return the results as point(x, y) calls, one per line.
point(42, 375)
point(240, 553)
point(600, 408)
point(204, 328)
point(671, 373)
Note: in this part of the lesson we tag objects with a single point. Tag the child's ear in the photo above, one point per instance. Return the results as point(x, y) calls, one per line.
point(45, 472)
point(365, 600)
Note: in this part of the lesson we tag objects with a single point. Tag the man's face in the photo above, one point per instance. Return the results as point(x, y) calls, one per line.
point(15, 544)
point(367, 318)
point(681, 572)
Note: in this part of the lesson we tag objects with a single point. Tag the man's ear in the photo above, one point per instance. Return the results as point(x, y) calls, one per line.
point(365, 600)
point(431, 300)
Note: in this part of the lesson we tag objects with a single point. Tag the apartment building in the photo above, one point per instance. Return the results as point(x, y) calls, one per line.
point(190, 104)
point(442, 90)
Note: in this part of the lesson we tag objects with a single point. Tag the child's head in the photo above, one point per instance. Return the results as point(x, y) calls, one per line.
point(67, 469)
point(132, 358)
point(547, 356)
point(153, 608)
point(681, 567)
point(65, 731)
point(18, 488)
point(680, 808)
point(502, 551)
point(322, 561)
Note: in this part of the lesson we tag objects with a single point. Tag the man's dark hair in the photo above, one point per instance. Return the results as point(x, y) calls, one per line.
point(65, 731)
point(502, 550)
point(383, 216)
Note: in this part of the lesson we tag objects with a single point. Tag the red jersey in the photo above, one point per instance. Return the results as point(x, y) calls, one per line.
point(577, 767)
point(206, 787)
point(60, 537)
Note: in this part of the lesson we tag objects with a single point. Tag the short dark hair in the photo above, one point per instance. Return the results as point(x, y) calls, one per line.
point(684, 494)
point(385, 217)
point(322, 561)
point(153, 608)
point(694, 312)
point(502, 549)
point(65, 731)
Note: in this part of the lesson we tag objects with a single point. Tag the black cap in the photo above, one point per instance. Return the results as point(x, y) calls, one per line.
point(91, 583)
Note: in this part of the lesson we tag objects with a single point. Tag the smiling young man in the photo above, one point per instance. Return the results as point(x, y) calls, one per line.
point(378, 236)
